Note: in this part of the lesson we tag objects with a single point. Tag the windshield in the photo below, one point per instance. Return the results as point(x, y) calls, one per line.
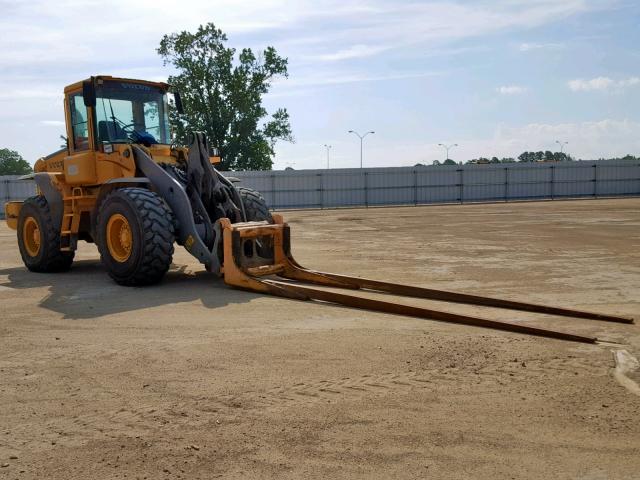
point(131, 111)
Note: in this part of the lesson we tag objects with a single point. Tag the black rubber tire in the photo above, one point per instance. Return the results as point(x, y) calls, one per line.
point(151, 224)
point(256, 210)
point(49, 258)
point(255, 206)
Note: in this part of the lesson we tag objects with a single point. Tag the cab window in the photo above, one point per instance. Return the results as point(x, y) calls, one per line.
point(79, 123)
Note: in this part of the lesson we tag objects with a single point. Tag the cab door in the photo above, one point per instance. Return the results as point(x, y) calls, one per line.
point(80, 165)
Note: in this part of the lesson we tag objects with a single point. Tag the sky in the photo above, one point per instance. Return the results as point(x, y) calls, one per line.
point(495, 77)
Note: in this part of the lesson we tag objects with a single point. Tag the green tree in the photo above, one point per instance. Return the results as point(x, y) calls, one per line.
point(561, 157)
point(11, 163)
point(448, 161)
point(222, 96)
point(526, 157)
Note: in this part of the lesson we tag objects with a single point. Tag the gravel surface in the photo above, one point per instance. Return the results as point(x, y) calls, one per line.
point(190, 379)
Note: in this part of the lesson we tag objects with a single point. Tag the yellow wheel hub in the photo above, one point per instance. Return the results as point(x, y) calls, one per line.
point(119, 239)
point(31, 236)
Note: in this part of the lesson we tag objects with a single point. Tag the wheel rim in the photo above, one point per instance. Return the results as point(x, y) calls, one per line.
point(119, 239)
point(31, 236)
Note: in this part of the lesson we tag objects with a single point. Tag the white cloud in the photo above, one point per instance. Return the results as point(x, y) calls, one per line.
point(32, 93)
point(601, 83)
point(356, 51)
point(336, 78)
point(52, 123)
point(598, 83)
point(432, 24)
point(42, 32)
point(511, 90)
point(527, 47)
point(587, 140)
point(629, 82)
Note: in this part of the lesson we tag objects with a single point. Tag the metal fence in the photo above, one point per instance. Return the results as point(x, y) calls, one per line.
point(444, 184)
point(357, 187)
point(13, 189)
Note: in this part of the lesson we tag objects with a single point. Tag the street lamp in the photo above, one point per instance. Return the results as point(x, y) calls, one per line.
point(562, 144)
point(447, 148)
point(328, 147)
point(361, 137)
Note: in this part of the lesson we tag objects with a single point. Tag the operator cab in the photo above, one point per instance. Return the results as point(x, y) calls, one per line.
point(124, 111)
point(131, 111)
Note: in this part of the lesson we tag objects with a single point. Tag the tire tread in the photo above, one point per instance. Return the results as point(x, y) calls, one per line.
point(255, 206)
point(158, 234)
point(54, 260)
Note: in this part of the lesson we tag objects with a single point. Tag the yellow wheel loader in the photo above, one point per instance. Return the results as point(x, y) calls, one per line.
point(121, 184)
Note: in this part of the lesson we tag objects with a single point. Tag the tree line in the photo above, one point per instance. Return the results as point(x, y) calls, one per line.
point(12, 163)
point(524, 157)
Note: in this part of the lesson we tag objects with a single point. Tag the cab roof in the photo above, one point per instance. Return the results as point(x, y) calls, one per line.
point(78, 85)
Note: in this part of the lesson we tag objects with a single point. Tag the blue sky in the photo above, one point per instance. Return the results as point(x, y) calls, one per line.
point(496, 77)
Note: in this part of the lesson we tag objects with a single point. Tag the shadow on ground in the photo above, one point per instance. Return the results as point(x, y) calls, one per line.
point(86, 291)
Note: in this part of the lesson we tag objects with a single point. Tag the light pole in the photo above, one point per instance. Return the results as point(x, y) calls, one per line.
point(328, 147)
point(361, 137)
point(562, 144)
point(447, 148)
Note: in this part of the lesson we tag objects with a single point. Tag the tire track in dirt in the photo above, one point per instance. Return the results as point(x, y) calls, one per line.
point(390, 383)
point(172, 418)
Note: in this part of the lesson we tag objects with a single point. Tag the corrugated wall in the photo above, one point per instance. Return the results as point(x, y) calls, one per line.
point(13, 189)
point(444, 184)
point(422, 185)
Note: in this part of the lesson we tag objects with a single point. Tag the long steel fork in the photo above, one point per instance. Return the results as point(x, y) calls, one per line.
point(245, 268)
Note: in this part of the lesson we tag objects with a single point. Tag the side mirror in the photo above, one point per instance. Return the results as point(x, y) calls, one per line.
point(89, 93)
point(178, 100)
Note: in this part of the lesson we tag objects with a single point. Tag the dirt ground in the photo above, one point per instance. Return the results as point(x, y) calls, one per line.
point(191, 379)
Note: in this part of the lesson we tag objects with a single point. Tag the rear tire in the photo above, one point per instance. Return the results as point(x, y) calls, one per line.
point(39, 238)
point(135, 236)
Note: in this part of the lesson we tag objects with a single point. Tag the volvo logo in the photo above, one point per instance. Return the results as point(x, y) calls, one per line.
point(136, 86)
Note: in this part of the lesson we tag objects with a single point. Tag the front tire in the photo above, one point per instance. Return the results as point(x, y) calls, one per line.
point(255, 206)
point(257, 210)
point(135, 236)
point(39, 238)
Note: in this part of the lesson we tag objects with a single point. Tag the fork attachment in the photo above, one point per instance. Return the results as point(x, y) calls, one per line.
point(257, 257)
